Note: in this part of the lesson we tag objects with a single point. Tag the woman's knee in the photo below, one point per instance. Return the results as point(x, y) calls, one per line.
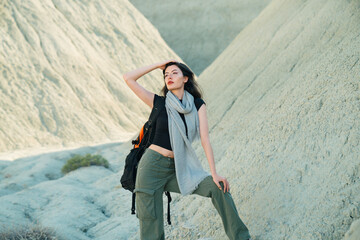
point(215, 189)
point(207, 188)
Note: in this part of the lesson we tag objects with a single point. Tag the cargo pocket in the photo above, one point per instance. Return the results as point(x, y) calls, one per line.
point(145, 204)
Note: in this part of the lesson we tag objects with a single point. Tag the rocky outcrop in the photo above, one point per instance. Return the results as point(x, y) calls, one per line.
point(85, 204)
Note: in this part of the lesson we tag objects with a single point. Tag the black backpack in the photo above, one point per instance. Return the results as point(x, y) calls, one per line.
point(142, 142)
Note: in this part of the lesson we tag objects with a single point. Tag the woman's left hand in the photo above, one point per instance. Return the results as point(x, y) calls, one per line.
point(217, 179)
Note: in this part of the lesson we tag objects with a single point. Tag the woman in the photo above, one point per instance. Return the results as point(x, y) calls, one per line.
point(180, 122)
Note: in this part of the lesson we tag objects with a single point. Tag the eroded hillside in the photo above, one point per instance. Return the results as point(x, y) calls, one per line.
point(61, 65)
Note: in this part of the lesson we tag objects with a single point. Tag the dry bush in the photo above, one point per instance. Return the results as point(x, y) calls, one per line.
point(84, 161)
point(32, 232)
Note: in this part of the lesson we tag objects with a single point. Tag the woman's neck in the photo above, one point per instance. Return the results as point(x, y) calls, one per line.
point(179, 93)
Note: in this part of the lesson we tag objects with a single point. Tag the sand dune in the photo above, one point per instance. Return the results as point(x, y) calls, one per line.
point(61, 64)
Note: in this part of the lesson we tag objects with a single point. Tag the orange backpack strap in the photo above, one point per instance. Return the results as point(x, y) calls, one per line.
point(148, 129)
point(140, 137)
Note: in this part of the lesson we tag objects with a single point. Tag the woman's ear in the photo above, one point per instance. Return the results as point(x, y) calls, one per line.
point(186, 79)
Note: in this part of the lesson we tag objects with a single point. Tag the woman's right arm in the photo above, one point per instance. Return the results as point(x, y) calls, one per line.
point(131, 77)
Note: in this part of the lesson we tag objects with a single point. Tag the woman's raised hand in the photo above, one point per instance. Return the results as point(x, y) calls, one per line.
point(217, 179)
point(162, 64)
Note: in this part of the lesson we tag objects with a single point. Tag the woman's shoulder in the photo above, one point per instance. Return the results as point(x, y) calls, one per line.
point(199, 102)
point(158, 99)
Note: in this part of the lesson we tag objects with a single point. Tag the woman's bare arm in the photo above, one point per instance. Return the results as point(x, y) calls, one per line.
point(131, 77)
point(205, 142)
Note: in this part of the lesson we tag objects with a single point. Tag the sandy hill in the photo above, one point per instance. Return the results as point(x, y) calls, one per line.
point(198, 31)
point(61, 65)
point(286, 108)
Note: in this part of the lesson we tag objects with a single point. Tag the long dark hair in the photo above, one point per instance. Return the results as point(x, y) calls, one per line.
point(191, 85)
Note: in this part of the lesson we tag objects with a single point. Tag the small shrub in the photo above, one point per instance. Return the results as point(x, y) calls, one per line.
point(33, 232)
point(84, 161)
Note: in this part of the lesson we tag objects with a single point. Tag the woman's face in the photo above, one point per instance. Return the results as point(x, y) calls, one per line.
point(174, 79)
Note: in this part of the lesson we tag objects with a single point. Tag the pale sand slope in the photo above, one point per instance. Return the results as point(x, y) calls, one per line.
point(284, 110)
point(198, 31)
point(61, 72)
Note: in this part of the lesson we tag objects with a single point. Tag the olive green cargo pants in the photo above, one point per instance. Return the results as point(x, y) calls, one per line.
point(156, 174)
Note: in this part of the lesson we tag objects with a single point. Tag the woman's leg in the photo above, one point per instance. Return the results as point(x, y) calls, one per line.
point(153, 173)
point(224, 204)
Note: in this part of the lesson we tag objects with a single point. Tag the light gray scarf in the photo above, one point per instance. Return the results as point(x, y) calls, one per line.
point(189, 171)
